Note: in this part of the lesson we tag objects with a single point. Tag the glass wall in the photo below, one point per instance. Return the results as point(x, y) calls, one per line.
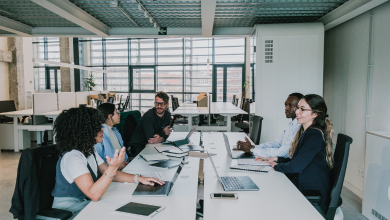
point(182, 66)
point(46, 48)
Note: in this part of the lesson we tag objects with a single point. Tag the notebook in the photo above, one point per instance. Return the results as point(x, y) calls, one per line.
point(252, 162)
point(153, 157)
point(263, 169)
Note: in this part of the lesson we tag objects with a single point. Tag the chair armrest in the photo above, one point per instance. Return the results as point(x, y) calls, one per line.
point(55, 214)
point(312, 196)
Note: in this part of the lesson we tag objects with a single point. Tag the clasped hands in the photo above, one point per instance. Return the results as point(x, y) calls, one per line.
point(157, 139)
point(246, 146)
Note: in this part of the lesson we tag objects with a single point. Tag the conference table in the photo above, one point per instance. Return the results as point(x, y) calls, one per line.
point(277, 198)
point(226, 109)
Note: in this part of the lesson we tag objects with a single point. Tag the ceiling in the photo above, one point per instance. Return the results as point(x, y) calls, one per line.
point(204, 17)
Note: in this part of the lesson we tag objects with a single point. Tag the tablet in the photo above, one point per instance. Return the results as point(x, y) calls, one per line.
point(139, 210)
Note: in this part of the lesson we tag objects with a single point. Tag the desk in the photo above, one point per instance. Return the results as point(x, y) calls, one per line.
point(226, 109)
point(19, 127)
point(277, 198)
point(180, 204)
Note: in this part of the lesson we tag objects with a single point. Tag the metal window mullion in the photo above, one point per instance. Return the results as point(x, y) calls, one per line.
point(104, 64)
point(129, 73)
point(184, 73)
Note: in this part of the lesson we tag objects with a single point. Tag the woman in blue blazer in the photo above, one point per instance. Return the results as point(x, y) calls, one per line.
point(112, 139)
point(311, 151)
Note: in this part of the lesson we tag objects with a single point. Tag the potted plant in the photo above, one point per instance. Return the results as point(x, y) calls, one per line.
point(88, 82)
point(245, 87)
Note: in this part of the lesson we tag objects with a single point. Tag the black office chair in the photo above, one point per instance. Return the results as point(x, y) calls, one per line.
point(126, 104)
point(35, 181)
point(337, 175)
point(243, 120)
point(236, 102)
point(256, 129)
point(110, 99)
point(234, 99)
point(6, 106)
point(178, 119)
point(128, 130)
point(99, 102)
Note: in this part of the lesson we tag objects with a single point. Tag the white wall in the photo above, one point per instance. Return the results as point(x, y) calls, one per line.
point(345, 83)
point(297, 67)
point(4, 82)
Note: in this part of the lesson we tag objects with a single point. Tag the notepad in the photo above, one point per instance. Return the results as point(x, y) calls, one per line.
point(263, 169)
point(252, 162)
point(153, 157)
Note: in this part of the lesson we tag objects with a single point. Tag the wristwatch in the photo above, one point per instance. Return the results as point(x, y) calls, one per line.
point(253, 147)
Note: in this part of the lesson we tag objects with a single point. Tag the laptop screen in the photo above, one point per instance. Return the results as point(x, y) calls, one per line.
point(190, 133)
point(178, 171)
point(215, 169)
point(225, 138)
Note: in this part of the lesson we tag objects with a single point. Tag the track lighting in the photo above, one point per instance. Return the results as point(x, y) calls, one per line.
point(139, 7)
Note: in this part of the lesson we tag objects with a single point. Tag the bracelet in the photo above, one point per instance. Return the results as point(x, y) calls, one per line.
point(136, 178)
point(109, 175)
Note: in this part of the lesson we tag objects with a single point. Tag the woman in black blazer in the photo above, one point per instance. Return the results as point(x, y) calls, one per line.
point(311, 151)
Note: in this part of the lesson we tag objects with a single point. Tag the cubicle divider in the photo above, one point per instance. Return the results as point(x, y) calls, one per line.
point(81, 98)
point(66, 100)
point(43, 102)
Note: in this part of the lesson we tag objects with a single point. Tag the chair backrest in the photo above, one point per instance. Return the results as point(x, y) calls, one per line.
point(99, 102)
point(6, 106)
point(236, 102)
point(110, 99)
point(234, 99)
point(337, 173)
point(128, 129)
point(256, 129)
point(126, 103)
point(120, 100)
point(175, 103)
point(246, 108)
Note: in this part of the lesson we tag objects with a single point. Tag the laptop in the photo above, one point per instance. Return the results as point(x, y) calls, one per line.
point(158, 190)
point(236, 154)
point(182, 141)
point(235, 183)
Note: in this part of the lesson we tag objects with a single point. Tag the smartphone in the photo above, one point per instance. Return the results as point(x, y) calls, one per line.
point(224, 196)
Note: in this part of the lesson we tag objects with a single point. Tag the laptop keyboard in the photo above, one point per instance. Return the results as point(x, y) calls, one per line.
point(237, 153)
point(231, 183)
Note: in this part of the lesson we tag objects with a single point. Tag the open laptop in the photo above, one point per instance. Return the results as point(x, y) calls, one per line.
point(236, 154)
point(235, 183)
point(182, 141)
point(158, 190)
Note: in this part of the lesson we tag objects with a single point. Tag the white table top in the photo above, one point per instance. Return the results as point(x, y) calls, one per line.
point(53, 113)
point(18, 113)
point(277, 198)
point(180, 204)
point(197, 111)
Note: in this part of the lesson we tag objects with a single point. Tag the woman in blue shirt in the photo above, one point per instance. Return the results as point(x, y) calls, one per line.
point(311, 151)
point(112, 139)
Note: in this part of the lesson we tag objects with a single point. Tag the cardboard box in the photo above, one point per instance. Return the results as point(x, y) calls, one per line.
point(202, 100)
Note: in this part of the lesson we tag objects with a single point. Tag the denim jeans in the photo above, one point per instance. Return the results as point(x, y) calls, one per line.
point(71, 204)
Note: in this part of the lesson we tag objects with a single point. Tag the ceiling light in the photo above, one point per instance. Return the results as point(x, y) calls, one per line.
point(158, 28)
point(146, 14)
point(139, 7)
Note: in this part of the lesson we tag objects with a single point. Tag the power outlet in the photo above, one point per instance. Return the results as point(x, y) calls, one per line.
point(361, 172)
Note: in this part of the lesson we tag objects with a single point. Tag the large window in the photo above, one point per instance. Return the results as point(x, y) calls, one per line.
point(182, 66)
point(47, 48)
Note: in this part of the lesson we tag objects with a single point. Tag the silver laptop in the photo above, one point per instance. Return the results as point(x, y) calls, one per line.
point(158, 190)
point(235, 183)
point(182, 141)
point(236, 154)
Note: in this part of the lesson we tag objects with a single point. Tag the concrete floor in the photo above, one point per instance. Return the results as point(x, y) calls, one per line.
point(9, 164)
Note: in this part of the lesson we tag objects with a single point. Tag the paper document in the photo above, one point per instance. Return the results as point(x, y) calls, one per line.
point(264, 169)
point(252, 162)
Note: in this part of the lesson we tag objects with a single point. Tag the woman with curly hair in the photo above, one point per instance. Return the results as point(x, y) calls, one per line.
point(81, 174)
point(311, 150)
point(112, 139)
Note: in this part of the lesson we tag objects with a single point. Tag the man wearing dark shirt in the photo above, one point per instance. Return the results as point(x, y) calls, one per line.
point(153, 127)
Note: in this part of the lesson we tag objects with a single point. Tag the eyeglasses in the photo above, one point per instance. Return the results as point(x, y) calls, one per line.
point(160, 103)
point(289, 105)
point(300, 110)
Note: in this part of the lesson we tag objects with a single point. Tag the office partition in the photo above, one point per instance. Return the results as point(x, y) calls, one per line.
point(66, 100)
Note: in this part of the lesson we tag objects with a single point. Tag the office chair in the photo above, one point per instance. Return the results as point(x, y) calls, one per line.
point(110, 99)
point(99, 102)
point(6, 106)
point(125, 105)
point(120, 103)
point(236, 102)
point(178, 119)
point(243, 120)
point(234, 99)
point(256, 129)
point(35, 181)
point(128, 130)
point(337, 174)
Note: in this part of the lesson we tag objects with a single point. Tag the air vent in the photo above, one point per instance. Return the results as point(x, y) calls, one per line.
point(378, 215)
point(268, 48)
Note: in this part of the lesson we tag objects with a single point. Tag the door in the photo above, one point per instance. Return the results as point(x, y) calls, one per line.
point(227, 81)
point(53, 79)
point(142, 87)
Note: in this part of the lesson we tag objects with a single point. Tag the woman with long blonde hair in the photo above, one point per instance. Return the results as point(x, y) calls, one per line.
point(311, 151)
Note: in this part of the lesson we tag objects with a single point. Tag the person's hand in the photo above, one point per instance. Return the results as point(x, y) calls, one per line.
point(156, 139)
point(150, 181)
point(119, 157)
point(123, 165)
point(167, 130)
point(244, 146)
point(273, 164)
point(267, 159)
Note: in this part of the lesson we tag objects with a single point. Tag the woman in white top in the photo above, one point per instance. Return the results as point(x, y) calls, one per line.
point(112, 139)
point(81, 174)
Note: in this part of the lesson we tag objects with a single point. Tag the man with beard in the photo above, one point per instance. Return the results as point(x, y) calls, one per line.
point(281, 146)
point(153, 127)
